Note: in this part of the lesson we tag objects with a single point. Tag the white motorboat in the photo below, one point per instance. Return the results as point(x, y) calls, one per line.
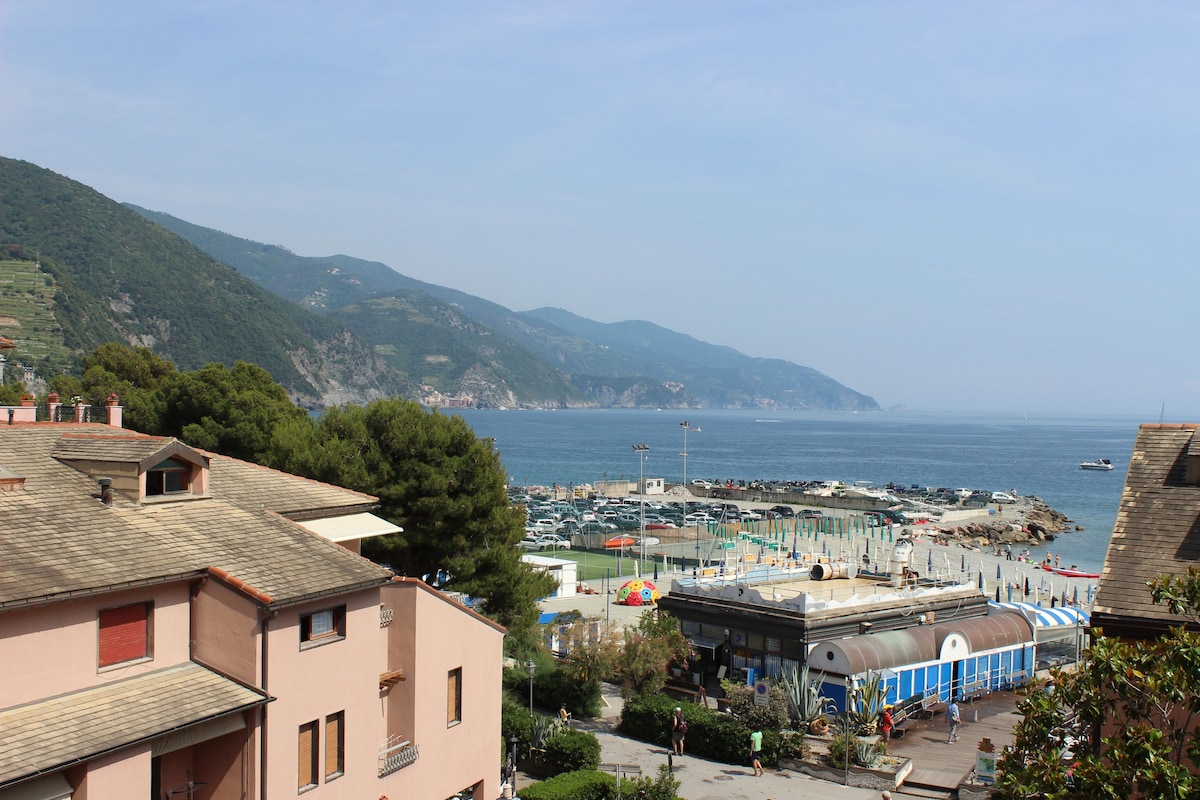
point(1103, 463)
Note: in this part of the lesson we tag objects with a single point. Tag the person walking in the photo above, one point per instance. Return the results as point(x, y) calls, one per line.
point(953, 718)
point(678, 731)
point(756, 751)
point(1008, 551)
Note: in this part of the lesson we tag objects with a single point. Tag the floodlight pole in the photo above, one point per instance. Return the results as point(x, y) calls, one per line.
point(641, 450)
point(687, 425)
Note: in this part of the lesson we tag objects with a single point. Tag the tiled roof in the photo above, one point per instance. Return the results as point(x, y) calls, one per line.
point(251, 485)
point(1157, 530)
point(109, 444)
point(58, 540)
point(55, 733)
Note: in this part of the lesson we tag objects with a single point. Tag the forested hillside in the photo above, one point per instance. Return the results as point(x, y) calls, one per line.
point(113, 276)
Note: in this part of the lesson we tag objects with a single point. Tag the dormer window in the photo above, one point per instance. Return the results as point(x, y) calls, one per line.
point(169, 476)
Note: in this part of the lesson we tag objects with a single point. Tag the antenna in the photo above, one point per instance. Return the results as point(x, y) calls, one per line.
point(1162, 411)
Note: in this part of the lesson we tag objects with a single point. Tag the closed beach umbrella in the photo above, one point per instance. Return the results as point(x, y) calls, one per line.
point(998, 592)
point(981, 581)
point(931, 559)
point(1075, 595)
point(1009, 593)
point(1027, 586)
point(655, 570)
point(1091, 591)
point(964, 562)
point(999, 575)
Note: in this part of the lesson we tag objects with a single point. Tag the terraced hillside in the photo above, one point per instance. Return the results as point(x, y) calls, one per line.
point(26, 312)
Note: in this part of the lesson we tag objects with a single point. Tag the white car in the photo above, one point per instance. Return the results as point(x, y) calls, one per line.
point(751, 514)
point(1003, 497)
point(699, 519)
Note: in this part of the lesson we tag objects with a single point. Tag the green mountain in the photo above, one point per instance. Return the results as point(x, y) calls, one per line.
point(619, 364)
point(102, 273)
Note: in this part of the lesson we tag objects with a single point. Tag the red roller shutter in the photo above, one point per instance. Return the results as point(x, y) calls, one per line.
point(124, 634)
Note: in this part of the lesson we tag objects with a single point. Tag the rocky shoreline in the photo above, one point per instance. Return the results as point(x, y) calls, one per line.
point(1030, 522)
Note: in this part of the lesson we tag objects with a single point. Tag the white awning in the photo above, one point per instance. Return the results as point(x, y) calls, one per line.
point(349, 527)
point(47, 787)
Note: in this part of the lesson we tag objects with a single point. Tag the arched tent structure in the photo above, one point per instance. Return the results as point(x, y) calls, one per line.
point(941, 659)
point(1060, 633)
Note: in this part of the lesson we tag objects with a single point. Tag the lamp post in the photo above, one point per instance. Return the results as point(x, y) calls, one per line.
point(532, 667)
point(687, 426)
point(641, 450)
point(849, 691)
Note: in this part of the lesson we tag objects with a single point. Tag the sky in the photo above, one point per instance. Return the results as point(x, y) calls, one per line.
point(953, 206)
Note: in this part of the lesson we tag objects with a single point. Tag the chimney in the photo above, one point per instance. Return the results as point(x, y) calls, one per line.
point(105, 490)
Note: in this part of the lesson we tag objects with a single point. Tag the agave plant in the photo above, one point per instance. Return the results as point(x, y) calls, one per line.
point(542, 729)
point(867, 703)
point(805, 701)
point(865, 752)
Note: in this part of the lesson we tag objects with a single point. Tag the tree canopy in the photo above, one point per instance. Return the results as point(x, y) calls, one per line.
point(435, 479)
point(1124, 724)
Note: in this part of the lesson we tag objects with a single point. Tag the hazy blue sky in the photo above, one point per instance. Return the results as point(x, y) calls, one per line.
point(946, 205)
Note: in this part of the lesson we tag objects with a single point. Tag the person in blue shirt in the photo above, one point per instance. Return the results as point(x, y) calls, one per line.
point(953, 718)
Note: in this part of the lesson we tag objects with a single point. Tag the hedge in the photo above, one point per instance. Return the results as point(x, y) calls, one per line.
point(582, 785)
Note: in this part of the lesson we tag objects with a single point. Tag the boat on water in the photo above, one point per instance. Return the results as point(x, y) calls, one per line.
point(1103, 463)
point(1070, 573)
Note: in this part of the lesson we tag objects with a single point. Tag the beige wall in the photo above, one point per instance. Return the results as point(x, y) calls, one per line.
point(436, 636)
point(53, 649)
point(314, 683)
point(225, 631)
point(125, 774)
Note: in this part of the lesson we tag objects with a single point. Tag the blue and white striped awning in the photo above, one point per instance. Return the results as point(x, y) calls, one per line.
point(1057, 617)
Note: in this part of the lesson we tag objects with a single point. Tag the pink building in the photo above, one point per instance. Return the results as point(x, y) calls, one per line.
point(178, 625)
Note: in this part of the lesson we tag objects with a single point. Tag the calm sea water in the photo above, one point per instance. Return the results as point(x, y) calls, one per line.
point(1034, 456)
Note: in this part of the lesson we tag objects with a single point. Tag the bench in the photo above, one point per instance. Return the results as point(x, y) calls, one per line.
point(974, 691)
point(901, 721)
point(689, 691)
point(1017, 679)
point(932, 705)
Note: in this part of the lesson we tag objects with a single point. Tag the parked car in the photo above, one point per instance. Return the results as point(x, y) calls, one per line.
point(1003, 497)
point(787, 512)
point(809, 513)
point(750, 514)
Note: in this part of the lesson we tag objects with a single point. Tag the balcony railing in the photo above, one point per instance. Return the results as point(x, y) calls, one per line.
point(396, 755)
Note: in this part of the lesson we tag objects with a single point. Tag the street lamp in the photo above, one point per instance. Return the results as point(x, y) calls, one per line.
point(641, 450)
point(846, 751)
point(687, 426)
point(532, 667)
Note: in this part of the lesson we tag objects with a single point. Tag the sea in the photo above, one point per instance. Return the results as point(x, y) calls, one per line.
point(1033, 455)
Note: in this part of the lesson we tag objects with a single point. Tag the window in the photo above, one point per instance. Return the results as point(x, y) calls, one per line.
point(307, 770)
point(335, 743)
point(322, 627)
point(168, 476)
point(124, 634)
point(454, 697)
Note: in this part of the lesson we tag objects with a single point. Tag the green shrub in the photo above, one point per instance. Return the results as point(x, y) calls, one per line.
point(514, 721)
point(582, 785)
point(570, 751)
point(710, 734)
point(841, 747)
point(557, 688)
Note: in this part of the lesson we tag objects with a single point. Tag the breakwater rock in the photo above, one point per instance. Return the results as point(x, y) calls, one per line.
point(1031, 521)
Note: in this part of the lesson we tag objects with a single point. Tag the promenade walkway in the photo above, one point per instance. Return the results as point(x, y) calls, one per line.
point(938, 767)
